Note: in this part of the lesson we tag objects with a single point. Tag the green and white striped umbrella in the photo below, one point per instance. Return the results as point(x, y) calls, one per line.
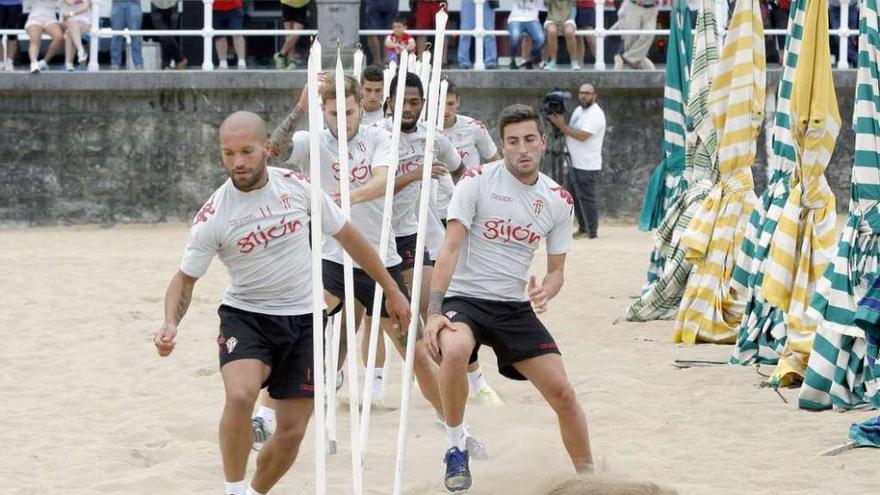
point(761, 335)
point(842, 370)
point(661, 300)
point(665, 185)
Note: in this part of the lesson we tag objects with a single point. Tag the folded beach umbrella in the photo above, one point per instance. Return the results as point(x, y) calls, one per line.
point(805, 238)
point(665, 183)
point(842, 369)
point(761, 334)
point(660, 300)
point(736, 104)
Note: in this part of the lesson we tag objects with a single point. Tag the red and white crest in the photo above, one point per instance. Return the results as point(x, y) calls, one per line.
point(538, 205)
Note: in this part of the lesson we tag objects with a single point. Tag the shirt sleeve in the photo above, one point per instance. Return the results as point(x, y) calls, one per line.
point(332, 219)
point(299, 154)
point(447, 153)
point(200, 250)
point(559, 238)
point(382, 153)
point(463, 206)
point(485, 144)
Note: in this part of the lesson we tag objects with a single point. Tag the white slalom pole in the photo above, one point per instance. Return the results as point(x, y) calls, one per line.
point(332, 337)
point(383, 247)
point(348, 273)
point(316, 125)
point(388, 75)
point(433, 108)
point(424, 76)
point(358, 68)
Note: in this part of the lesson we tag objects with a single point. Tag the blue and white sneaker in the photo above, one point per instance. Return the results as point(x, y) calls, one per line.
point(262, 430)
point(458, 474)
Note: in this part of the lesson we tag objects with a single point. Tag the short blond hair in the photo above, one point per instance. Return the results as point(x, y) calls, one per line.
point(352, 88)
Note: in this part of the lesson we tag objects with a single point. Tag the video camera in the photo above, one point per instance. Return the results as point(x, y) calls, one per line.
point(555, 102)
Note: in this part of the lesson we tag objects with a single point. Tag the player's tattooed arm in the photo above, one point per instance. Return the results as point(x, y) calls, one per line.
point(178, 297)
point(435, 302)
point(280, 143)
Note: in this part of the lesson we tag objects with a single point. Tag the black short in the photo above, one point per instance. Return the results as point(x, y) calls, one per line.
point(364, 286)
point(406, 248)
point(282, 342)
point(585, 17)
point(11, 16)
point(299, 15)
point(511, 329)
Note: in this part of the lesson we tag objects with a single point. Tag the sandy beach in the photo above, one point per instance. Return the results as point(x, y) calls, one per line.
point(89, 407)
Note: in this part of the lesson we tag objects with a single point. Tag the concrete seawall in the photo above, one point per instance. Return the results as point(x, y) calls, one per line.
point(137, 147)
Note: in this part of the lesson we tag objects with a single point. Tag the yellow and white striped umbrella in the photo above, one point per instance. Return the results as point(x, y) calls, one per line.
point(805, 239)
point(736, 104)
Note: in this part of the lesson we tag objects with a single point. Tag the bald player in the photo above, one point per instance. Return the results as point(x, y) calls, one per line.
point(257, 223)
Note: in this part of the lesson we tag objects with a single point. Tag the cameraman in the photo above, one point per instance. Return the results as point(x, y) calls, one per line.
point(583, 137)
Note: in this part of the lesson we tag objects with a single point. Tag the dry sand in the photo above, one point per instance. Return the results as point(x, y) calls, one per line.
point(88, 407)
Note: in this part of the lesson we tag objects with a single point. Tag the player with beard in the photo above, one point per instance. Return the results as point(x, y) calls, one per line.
point(481, 292)
point(257, 223)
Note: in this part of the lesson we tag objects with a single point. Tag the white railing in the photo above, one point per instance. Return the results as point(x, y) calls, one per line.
point(479, 33)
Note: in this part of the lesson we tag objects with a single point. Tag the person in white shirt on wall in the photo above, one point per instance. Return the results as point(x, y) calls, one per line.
point(584, 135)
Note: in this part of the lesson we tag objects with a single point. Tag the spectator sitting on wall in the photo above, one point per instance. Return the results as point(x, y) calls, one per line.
point(523, 19)
point(585, 18)
point(379, 14)
point(126, 14)
point(229, 14)
point(76, 15)
point(636, 15)
point(165, 16)
point(295, 14)
point(10, 18)
point(469, 21)
point(559, 15)
point(43, 19)
point(398, 41)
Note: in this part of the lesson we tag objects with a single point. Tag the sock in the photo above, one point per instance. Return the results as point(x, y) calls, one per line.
point(235, 487)
point(251, 491)
point(476, 380)
point(377, 373)
point(456, 436)
point(268, 414)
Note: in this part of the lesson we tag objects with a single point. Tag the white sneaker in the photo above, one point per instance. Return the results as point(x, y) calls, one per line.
point(262, 430)
point(68, 67)
point(618, 62)
point(35, 68)
point(488, 396)
point(81, 56)
point(647, 64)
point(476, 449)
point(242, 65)
point(223, 65)
point(8, 66)
point(43, 65)
point(575, 66)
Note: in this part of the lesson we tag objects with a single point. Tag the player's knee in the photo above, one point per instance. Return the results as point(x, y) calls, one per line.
point(563, 398)
point(241, 399)
point(455, 353)
point(290, 437)
point(551, 29)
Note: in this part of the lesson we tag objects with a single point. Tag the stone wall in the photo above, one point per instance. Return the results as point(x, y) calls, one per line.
point(138, 147)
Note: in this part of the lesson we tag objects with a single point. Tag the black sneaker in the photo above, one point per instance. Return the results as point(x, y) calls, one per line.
point(458, 474)
point(528, 65)
point(513, 65)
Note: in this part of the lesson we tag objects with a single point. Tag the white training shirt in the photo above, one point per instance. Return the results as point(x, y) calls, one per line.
point(412, 154)
point(370, 148)
point(587, 155)
point(371, 118)
point(506, 221)
point(262, 237)
point(441, 194)
point(525, 11)
point(472, 140)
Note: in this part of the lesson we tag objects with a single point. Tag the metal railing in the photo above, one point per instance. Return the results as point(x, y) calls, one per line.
point(600, 32)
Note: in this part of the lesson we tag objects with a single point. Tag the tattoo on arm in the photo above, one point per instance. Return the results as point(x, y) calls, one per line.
point(435, 302)
point(182, 306)
point(280, 142)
